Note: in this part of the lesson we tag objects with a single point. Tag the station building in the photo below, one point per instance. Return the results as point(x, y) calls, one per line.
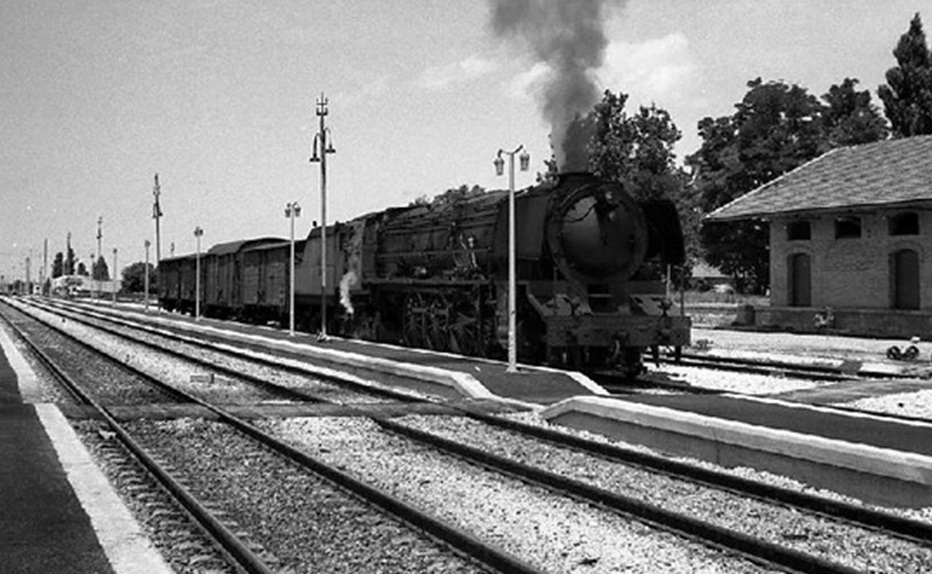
point(850, 231)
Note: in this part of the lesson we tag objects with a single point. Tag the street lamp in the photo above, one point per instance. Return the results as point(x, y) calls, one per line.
point(113, 283)
point(198, 232)
point(145, 288)
point(525, 160)
point(322, 143)
point(292, 210)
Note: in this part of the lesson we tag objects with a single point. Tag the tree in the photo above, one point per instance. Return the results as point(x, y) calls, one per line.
point(69, 264)
point(134, 278)
point(58, 265)
point(100, 271)
point(850, 118)
point(82, 269)
point(637, 151)
point(451, 195)
point(907, 95)
point(775, 128)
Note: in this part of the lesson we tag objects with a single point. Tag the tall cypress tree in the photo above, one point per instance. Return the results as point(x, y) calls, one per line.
point(907, 95)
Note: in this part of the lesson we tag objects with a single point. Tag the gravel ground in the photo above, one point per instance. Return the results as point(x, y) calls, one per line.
point(552, 532)
point(745, 383)
point(915, 404)
point(830, 540)
point(303, 520)
point(531, 418)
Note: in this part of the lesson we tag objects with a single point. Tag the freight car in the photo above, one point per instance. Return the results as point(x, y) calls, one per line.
point(435, 276)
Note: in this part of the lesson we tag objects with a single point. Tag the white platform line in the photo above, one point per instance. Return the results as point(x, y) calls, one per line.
point(127, 548)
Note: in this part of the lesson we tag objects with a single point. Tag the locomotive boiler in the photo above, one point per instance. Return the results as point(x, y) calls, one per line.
point(436, 276)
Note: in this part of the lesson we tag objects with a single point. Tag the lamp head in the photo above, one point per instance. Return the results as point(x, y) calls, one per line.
point(499, 164)
point(525, 160)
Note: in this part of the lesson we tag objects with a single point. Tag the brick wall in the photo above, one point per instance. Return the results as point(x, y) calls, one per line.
point(849, 272)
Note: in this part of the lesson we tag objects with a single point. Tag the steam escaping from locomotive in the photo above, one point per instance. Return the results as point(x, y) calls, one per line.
point(349, 279)
point(569, 37)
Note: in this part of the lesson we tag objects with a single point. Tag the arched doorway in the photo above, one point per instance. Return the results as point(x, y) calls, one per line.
point(800, 268)
point(905, 277)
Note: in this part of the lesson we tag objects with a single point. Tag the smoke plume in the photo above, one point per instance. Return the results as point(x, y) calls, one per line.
point(568, 36)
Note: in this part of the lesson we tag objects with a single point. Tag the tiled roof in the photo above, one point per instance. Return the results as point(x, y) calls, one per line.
point(870, 175)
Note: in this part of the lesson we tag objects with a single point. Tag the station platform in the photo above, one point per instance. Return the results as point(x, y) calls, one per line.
point(878, 459)
point(57, 511)
point(446, 374)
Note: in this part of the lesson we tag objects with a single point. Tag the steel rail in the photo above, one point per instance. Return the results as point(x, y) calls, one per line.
point(455, 538)
point(204, 344)
point(904, 528)
point(752, 548)
point(226, 540)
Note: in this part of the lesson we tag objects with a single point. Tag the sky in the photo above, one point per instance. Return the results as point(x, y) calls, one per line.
point(218, 97)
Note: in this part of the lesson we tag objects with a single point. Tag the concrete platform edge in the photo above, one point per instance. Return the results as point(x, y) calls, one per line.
point(126, 546)
point(909, 467)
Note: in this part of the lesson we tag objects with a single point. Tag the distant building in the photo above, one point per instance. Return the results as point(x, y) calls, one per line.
point(83, 286)
point(850, 230)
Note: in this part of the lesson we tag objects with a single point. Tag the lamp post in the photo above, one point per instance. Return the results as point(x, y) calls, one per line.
point(292, 210)
point(145, 285)
point(198, 232)
point(525, 159)
point(322, 143)
point(113, 283)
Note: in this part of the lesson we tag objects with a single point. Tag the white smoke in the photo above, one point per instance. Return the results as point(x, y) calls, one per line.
point(349, 279)
point(568, 36)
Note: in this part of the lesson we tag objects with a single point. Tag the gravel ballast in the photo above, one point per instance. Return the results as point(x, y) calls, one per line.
point(828, 539)
point(552, 532)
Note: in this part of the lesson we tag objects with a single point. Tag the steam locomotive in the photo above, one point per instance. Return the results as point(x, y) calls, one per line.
point(436, 276)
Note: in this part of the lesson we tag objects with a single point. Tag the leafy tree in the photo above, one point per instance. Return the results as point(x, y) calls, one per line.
point(637, 151)
point(850, 118)
point(907, 95)
point(451, 195)
point(775, 128)
point(58, 265)
point(69, 264)
point(134, 278)
point(82, 269)
point(100, 271)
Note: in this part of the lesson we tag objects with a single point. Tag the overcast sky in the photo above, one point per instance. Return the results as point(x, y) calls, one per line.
point(218, 97)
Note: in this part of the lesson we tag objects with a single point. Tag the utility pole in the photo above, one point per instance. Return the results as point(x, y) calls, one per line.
point(113, 282)
point(157, 215)
point(45, 262)
point(145, 288)
point(321, 140)
point(96, 276)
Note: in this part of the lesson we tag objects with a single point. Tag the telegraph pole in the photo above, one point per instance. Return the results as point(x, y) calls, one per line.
point(321, 141)
point(157, 215)
point(100, 222)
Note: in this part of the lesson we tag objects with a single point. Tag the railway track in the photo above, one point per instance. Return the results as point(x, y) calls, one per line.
point(780, 368)
point(757, 549)
point(460, 551)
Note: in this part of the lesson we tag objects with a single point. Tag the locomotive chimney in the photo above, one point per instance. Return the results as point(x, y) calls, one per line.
point(575, 178)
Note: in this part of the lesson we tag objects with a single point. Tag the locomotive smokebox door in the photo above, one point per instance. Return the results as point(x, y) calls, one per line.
point(596, 232)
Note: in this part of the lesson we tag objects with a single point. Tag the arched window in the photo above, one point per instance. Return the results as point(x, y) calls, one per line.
point(847, 227)
point(904, 223)
point(798, 231)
